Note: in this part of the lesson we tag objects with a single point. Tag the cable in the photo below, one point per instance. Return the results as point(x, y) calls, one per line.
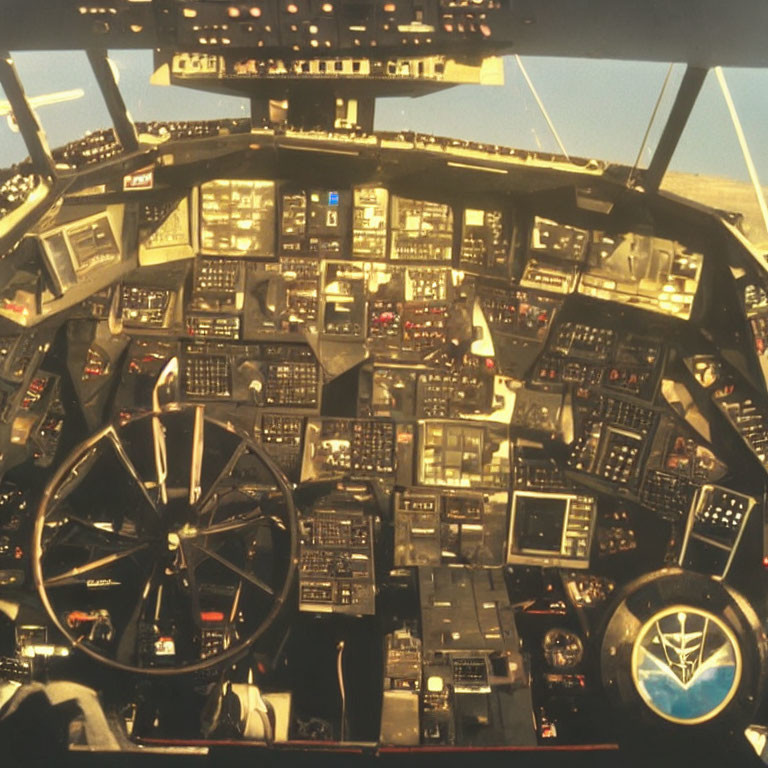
point(541, 107)
point(743, 144)
point(650, 125)
point(342, 690)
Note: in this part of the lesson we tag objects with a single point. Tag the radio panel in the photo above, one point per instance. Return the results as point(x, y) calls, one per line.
point(272, 375)
point(336, 569)
point(348, 447)
point(434, 528)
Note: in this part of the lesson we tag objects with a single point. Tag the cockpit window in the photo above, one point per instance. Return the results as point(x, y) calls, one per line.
point(63, 92)
point(16, 182)
point(12, 147)
point(709, 166)
point(592, 109)
point(148, 102)
point(600, 109)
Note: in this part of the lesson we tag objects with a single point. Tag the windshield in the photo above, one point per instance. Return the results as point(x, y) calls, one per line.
point(709, 166)
point(599, 109)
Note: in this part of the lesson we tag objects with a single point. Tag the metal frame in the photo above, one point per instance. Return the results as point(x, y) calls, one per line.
point(29, 126)
point(121, 118)
point(690, 87)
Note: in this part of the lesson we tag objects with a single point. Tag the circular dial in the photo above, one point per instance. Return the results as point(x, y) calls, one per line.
point(686, 664)
point(562, 648)
point(167, 544)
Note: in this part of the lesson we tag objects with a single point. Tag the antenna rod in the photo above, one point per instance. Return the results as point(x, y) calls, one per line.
point(541, 106)
point(650, 125)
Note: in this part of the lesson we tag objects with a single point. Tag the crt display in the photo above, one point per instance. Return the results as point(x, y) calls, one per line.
point(93, 243)
point(539, 523)
point(237, 218)
point(60, 261)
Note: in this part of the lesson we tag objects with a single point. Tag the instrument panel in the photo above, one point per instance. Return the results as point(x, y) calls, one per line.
point(492, 410)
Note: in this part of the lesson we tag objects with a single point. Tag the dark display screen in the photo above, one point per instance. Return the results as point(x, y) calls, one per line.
point(539, 523)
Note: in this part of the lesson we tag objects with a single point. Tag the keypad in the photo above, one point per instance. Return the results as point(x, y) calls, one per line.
point(281, 438)
point(720, 513)
point(208, 376)
point(291, 384)
point(583, 341)
point(372, 446)
point(620, 462)
point(612, 441)
point(217, 275)
point(668, 495)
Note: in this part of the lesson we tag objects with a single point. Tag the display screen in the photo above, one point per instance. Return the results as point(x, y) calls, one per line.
point(369, 239)
point(60, 260)
point(393, 392)
point(462, 456)
point(238, 218)
point(560, 241)
point(539, 523)
point(174, 230)
point(93, 243)
point(421, 230)
point(656, 274)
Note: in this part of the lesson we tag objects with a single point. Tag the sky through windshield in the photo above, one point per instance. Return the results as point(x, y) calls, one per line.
point(599, 108)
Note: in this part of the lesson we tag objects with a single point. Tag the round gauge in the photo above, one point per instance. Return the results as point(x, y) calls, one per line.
point(686, 664)
point(563, 649)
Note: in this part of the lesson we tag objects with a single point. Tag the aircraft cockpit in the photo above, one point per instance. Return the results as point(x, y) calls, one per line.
point(321, 437)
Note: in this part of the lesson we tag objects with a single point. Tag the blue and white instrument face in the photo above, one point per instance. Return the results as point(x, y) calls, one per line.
point(686, 664)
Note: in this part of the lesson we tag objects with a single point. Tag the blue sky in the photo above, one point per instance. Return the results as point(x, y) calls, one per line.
point(600, 108)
